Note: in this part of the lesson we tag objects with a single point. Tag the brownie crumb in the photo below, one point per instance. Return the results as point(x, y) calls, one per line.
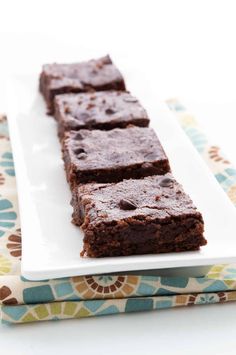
point(90, 106)
point(67, 109)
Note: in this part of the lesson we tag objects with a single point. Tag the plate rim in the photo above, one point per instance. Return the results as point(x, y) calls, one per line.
point(36, 274)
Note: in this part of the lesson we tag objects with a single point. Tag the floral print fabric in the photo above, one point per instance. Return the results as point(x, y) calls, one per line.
point(83, 296)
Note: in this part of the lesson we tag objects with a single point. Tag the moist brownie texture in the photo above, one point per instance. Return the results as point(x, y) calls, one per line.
point(110, 156)
point(99, 110)
point(150, 215)
point(97, 74)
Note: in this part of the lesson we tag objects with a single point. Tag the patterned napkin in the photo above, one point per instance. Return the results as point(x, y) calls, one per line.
point(24, 301)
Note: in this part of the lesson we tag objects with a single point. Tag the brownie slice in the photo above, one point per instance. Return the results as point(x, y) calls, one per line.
point(96, 74)
point(110, 156)
point(145, 216)
point(99, 110)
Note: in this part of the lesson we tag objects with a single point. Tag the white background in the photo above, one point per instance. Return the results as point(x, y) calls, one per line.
point(190, 48)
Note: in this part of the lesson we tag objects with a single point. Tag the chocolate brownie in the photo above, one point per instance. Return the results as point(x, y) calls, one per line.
point(99, 110)
point(110, 156)
point(144, 216)
point(97, 74)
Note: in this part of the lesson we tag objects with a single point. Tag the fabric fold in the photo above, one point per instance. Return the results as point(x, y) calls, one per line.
point(90, 308)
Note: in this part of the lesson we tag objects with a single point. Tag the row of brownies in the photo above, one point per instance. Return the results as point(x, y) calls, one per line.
point(124, 195)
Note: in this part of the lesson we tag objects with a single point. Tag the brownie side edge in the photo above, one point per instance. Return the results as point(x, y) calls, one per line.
point(143, 237)
point(134, 171)
point(44, 90)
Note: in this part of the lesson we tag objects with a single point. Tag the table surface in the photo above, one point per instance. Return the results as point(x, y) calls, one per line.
point(195, 330)
point(190, 55)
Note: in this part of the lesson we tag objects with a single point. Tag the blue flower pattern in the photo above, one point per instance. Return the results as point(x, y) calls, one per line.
point(7, 163)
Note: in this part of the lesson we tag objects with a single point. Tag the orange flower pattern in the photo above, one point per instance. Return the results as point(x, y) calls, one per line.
point(105, 286)
point(5, 294)
point(2, 179)
point(215, 154)
point(14, 243)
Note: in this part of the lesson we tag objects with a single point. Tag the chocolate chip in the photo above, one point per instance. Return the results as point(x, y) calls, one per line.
point(79, 150)
point(126, 204)
point(78, 136)
point(92, 97)
point(166, 182)
point(82, 156)
point(130, 99)
point(157, 198)
point(110, 111)
point(103, 101)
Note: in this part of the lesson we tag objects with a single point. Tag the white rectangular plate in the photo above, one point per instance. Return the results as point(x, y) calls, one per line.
point(51, 244)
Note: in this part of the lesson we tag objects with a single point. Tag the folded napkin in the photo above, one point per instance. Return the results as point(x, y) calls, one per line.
point(76, 297)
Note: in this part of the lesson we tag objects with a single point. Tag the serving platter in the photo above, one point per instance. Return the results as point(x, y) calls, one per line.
point(51, 245)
